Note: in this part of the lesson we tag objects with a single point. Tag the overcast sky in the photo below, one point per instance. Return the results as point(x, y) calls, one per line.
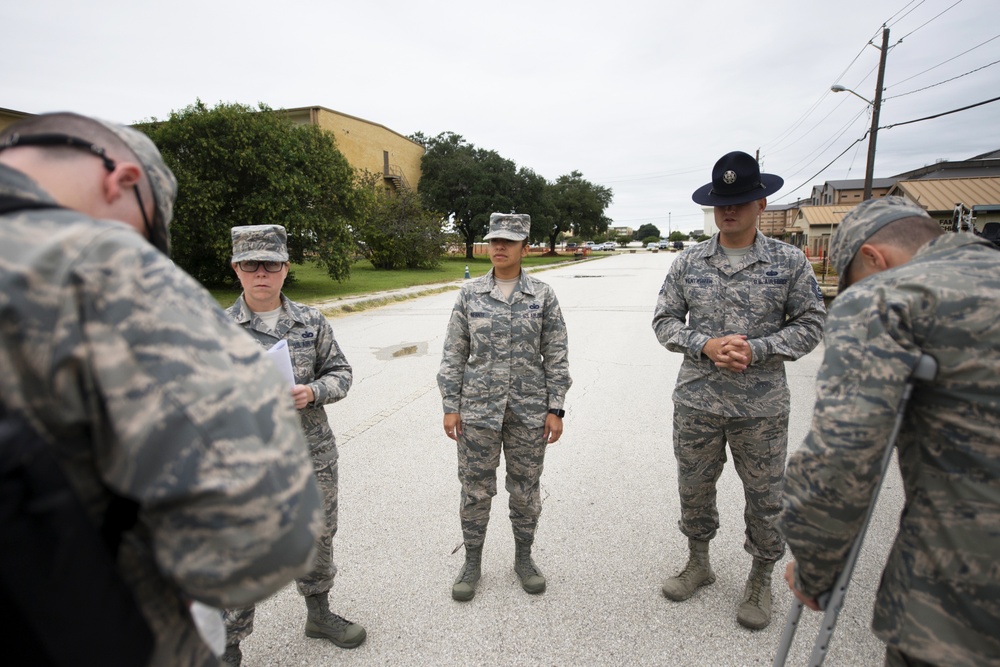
point(640, 96)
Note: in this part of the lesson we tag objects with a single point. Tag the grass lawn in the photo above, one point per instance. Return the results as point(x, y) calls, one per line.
point(312, 285)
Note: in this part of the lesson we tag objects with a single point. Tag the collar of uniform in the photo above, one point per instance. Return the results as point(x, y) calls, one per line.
point(947, 242)
point(758, 250)
point(485, 284)
point(293, 310)
point(242, 310)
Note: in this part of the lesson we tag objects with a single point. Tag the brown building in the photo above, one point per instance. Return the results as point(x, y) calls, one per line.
point(941, 196)
point(367, 146)
point(9, 117)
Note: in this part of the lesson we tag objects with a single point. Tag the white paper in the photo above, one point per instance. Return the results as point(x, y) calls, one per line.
point(211, 627)
point(282, 359)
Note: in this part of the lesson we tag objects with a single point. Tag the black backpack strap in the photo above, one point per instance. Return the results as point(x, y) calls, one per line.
point(62, 600)
point(11, 203)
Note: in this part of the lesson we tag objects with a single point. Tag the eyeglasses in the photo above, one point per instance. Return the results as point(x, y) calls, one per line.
point(64, 140)
point(249, 266)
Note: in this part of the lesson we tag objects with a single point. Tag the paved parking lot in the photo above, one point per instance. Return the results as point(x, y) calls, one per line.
point(608, 533)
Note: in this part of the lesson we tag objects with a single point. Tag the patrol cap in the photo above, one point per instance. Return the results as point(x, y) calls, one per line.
point(262, 243)
point(511, 226)
point(161, 179)
point(861, 223)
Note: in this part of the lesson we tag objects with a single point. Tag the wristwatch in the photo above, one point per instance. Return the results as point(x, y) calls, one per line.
point(557, 413)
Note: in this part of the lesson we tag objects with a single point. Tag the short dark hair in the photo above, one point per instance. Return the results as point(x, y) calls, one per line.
point(907, 234)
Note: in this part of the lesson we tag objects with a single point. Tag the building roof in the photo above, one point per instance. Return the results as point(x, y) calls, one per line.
point(820, 216)
point(347, 115)
point(859, 183)
point(942, 194)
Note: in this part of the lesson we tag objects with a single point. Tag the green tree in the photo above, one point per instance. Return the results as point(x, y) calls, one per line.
point(239, 166)
point(646, 231)
point(466, 184)
point(579, 206)
point(678, 236)
point(394, 230)
point(623, 240)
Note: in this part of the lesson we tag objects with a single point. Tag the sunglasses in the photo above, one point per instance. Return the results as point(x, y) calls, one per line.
point(250, 266)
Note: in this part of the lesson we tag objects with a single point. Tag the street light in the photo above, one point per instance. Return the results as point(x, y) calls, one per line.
point(876, 106)
point(837, 88)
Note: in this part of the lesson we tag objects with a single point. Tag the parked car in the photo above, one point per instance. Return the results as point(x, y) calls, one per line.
point(570, 246)
point(678, 245)
point(664, 245)
point(652, 245)
point(610, 245)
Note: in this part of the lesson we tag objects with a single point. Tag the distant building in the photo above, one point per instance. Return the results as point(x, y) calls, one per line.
point(368, 146)
point(940, 197)
point(9, 117)
point(849, 191)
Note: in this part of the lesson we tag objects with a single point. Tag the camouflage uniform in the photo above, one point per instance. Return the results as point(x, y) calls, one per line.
point(773, 299)
point(317, 361)
point(504, 366)
point(939, 599)
point(103, 340)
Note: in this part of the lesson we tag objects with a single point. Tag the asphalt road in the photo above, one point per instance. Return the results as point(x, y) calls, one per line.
point(608, 534)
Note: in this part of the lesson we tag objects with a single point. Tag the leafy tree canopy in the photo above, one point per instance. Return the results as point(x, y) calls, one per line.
point(393, 229)
point(646, 231)
point(579, 206)
point(466, 183)
point(239, 166)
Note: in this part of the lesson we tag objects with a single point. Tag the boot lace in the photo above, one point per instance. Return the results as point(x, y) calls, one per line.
point(468, 574)
point(336, 620)
point(525, 567)
point(756, 588)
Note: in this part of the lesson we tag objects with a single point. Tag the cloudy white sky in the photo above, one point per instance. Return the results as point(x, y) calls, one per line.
point(639, 95)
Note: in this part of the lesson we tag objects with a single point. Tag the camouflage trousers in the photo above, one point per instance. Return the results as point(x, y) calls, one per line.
point(478, 458)
point(759, 446)
point(239, 622)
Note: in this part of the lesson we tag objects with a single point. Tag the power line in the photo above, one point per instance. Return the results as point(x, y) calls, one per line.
point(904, 15)
point(933, 85)
point(888, 127)
point(943, 113)
point(807, 181)
point(942, 63)
point(931, 20)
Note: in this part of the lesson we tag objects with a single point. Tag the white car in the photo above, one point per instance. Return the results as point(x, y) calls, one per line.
point(610, 245)
point(652, 245)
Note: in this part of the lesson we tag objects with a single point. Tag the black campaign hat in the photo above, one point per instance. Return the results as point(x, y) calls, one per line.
point(736, 179)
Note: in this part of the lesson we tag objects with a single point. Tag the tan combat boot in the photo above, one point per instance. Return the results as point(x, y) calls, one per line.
point(532, 580)
point(755, 610)
point(465, 586)
point(697, 572)
point(321, 623)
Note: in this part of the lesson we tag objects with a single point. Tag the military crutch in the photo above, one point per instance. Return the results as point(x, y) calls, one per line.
point(832, 601)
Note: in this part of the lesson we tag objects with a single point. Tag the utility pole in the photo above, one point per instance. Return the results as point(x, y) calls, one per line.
point(876, 107)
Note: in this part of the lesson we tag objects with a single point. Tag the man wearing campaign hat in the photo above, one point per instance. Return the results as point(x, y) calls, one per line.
point(503, 380)
point(909, 289)
point(737, 306)
point(321, 376)
point(148, 395)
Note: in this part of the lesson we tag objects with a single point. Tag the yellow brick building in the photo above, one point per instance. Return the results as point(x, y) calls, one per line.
point(367, 146)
